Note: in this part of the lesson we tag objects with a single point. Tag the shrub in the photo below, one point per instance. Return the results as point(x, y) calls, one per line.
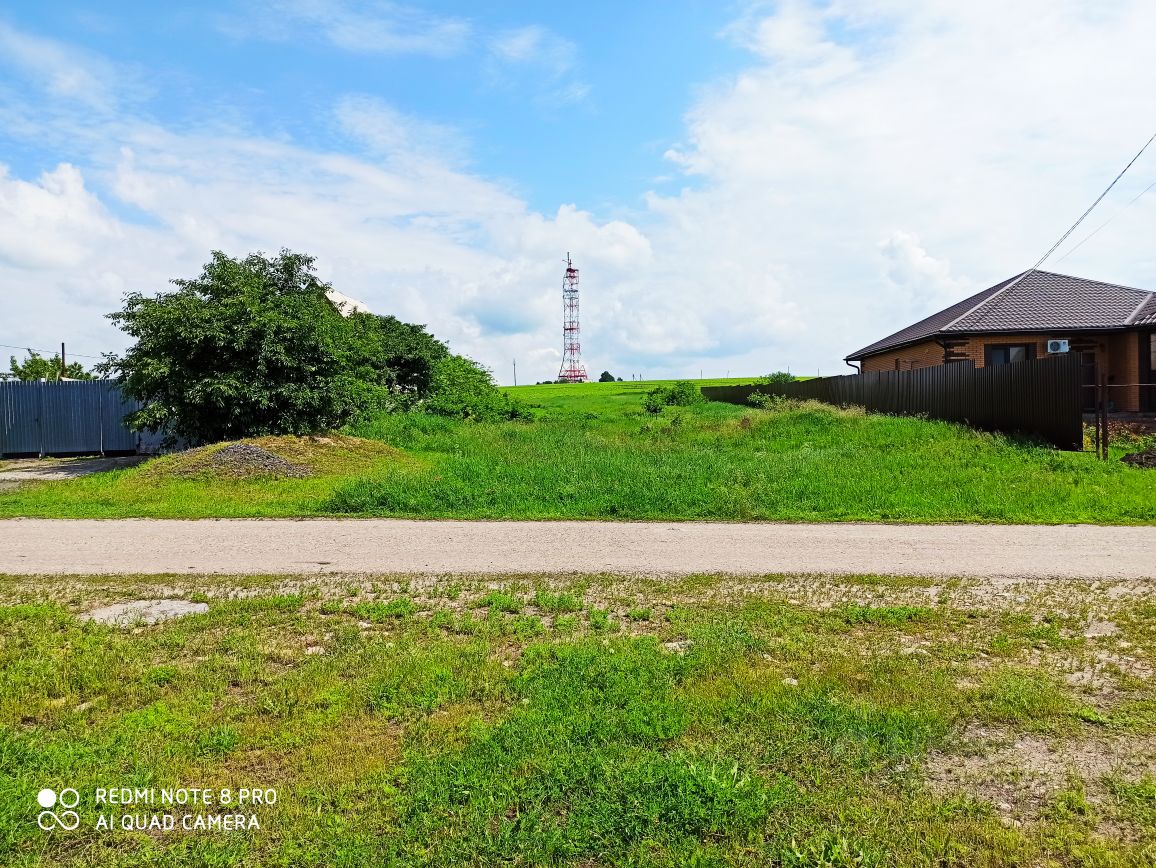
point(775, 378)
point(654, 401)
point(770, 402)
point(462, 388)
point(684, 393)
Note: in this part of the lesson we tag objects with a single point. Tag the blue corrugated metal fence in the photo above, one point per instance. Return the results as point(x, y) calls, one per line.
point(73, 417)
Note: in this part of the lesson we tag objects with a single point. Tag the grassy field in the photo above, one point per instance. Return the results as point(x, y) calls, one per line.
point(533, 720)
point(592, 452)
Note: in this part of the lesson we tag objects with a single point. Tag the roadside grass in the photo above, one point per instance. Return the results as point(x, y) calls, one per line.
point(408, 722)
point(592, 452)
point(181, 486)
point(806, 463)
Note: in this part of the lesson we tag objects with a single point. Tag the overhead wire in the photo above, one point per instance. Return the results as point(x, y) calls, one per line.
point(1088, 237)
point(34, 350)
point(1099, 198)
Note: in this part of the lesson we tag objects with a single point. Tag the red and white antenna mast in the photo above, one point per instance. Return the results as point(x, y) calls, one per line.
point(572, 370)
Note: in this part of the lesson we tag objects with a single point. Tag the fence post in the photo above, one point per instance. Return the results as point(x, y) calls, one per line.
point(1096, 422)
point(1104, 412)
point(40, 415)
point(100, 419)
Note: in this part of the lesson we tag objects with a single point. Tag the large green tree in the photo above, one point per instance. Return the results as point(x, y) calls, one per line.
point(36, 367)
point(409, 353)
point(252, 346)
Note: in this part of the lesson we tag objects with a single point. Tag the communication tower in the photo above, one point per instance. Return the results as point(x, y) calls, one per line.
point(572, 370)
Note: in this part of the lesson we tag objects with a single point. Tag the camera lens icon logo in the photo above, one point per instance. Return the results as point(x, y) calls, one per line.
point(66, 819)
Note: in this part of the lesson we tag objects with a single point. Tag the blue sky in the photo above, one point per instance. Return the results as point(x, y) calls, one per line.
point(584, 116)
point(745, 186)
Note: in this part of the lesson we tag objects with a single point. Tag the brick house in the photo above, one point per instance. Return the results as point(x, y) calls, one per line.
point(1111, 327)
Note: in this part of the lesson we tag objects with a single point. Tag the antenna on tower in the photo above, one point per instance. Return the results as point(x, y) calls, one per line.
point(572, 370)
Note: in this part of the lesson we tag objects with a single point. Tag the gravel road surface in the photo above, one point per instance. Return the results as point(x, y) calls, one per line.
point(34, 546)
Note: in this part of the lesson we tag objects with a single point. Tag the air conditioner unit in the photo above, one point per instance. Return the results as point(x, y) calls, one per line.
point(1057, 346)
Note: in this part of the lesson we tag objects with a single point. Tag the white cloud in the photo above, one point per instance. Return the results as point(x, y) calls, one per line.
point(921, 279)
point(876, 160)
point(62, 71)
point(981, 130)
point(536, 55)
point(534, 45)
point(365, 27)
point(51, 223)
point(390, 133)
point(405, 232)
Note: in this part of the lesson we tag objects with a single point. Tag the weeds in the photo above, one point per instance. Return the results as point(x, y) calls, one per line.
point(798, 461)
point(744, 732)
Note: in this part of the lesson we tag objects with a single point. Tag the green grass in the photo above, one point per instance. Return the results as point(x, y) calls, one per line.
point(176, 486)
point(592, 452)
point(712, 732)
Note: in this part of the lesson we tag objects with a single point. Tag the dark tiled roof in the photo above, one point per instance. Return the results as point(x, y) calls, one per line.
point(1146, 315)
point(933, 325)
point(1031, 301)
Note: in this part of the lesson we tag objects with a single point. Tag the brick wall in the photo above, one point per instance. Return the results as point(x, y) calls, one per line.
point(1124, 370)
point(922, 355)
point(1117, 353)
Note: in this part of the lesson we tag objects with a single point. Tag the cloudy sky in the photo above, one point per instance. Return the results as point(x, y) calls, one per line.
point(745, 187)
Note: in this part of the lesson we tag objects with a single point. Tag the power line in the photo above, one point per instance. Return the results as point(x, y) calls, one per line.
point(1072, 228)
point(1088, 237)
point(54, 352)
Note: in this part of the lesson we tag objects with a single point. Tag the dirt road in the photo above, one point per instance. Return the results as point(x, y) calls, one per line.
point(31, 546)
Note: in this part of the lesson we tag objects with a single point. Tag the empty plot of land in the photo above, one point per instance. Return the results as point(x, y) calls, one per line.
point(390, 546)
point(722, 720)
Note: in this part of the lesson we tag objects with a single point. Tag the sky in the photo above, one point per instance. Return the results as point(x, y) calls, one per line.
point(745, 186)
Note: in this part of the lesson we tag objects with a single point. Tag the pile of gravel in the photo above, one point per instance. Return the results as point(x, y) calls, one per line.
point(1141, 459)
point(243, 460)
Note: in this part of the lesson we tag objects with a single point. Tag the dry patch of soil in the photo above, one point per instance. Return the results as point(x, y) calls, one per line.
point(1020, 775)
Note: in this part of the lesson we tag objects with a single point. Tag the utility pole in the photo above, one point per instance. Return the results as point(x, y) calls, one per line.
point(515, 372)
point(63, 363)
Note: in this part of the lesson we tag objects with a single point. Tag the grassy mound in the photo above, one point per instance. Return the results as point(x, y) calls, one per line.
point(282, 457)
point(244, 479)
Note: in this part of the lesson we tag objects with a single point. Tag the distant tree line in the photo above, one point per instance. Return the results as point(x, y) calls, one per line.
point(36, 367)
